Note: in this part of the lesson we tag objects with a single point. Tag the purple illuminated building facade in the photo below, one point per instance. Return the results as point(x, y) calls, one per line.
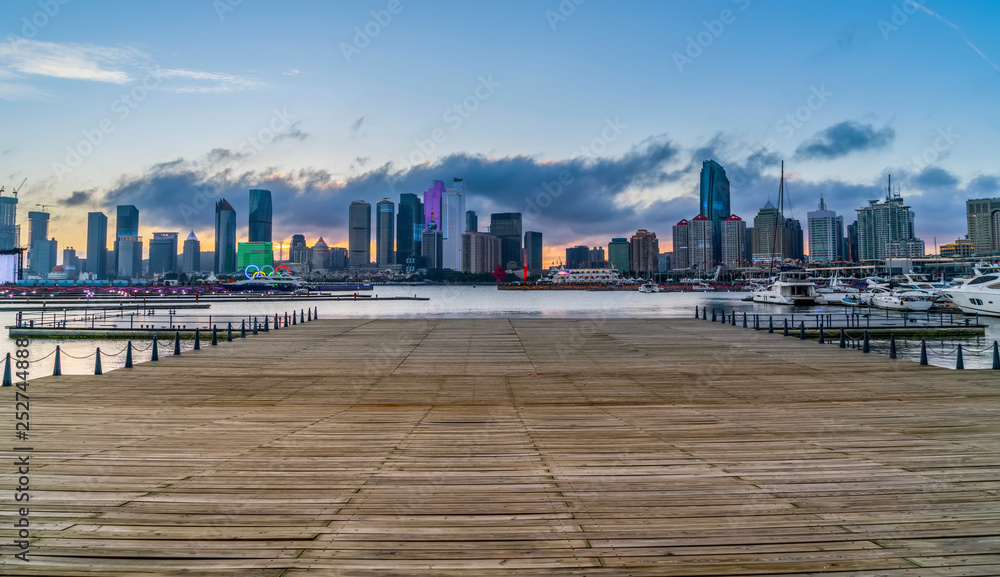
point(432, 203)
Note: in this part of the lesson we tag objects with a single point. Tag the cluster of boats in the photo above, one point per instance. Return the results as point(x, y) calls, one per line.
point(979, 294)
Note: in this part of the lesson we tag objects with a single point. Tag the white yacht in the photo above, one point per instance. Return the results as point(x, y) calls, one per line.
point(789, 289)
point(981, 295)
point(902, 299)
point(602, 276)
point(649, 287)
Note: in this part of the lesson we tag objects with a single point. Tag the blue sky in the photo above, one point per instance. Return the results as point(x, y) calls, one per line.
point(169, 105)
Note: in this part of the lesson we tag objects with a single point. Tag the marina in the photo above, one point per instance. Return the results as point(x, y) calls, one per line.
point(578, 446)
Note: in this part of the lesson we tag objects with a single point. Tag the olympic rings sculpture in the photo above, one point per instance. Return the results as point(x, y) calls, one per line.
point(261, 271)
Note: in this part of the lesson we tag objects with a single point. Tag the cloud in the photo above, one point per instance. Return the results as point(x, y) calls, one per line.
point(292, 72)
point(955, 27)
point(196, 81)
point(844, 138)
point(292, 133)
point(78, 198)
point(356, 126)
point(932, 178)
point(984, 185)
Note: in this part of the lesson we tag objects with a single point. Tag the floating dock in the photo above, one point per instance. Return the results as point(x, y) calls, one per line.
point(500, 446)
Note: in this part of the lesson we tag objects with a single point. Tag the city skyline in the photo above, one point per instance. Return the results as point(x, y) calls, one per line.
point(590, 142)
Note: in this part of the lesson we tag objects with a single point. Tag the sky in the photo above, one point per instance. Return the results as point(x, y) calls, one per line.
point(591, 117)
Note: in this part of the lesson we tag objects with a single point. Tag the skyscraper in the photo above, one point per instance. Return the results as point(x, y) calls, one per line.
point(298, 252)
point(8, 222)
point(644, 252)
point(320, 259)
point(452, 224)
point(826, 234)
point(885, 230)
point(225, 237)
point(260, 215)
point(715, 201)
point(432, 247)
point(533, 251)
point(734, 247)
point(618, 255)
point(385, 237)
point(507, 226)
point(480, 252)
point(770, 238)
point(681, 257)
point(577, 256)
point(163, 253)
point(39, 253)
point(360, 234)
point(127, 223)
point(128, 244)
point(432, 203)
point(983, 218)
point(191, 259)
point(409, 227)
point(796, 246)
point(471, 221)
point(97, 244)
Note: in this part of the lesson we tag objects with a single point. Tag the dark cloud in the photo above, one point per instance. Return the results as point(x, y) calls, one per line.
point(293, 133)
point(984, 185)
point(78, 198)
point(356, 126)
point(932, 178)
point(844, 138)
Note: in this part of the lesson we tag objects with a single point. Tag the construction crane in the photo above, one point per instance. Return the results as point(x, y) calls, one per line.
point(18, 186)
point(44, 206)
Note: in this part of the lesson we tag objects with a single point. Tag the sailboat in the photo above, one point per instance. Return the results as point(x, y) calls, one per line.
point(787, 288)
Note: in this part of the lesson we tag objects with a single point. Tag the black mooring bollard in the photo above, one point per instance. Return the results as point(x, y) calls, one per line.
point(786, 327)
point(302, 315)
point(267, 328)
point(97, 362)
point(309, 314)
point(7, 381)
point(770, 324)
point(277, 322)
point(315, 313)
point(229, 332)
point(695, 311)
point(802, 331)
point(295, 316)
point(892, 345)
point(714, 318)
point(215, 335)
point(156, 350)
point(996, 357)
point(243, 329)
point(197, 339)
point(959, 364)
point(744, 320)
point(128, 355)
point(254, 325)
point(923, 351)
point(822, 338)
point(177, 343)
point(756, 322)
point(843, 338)
point(57, 367)
point(286, 319)
point(704, 313)
point(866, 348)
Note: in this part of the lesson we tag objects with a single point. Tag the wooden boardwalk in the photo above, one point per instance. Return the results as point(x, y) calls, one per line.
point(512, 446)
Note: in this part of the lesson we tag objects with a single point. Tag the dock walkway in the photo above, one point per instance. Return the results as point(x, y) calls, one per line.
point(512, 446)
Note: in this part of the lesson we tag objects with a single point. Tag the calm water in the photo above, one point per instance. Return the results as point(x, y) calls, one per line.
point(483, 301)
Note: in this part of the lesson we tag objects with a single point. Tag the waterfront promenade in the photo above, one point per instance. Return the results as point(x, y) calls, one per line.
point(499, 446)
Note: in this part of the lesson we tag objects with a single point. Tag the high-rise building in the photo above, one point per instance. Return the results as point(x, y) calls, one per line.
point(983, 217)
point(796, 244)
point(320, 259)
point(715, 201)
point(69, 258)
point(432, 246)
point(8, 222)
point(452, 224)
point(480, 252)
point(644, 253)
point(700, 249)
point(734, 246)
point(39, 249)
point(260, 215)
point(852, 242)
point(409, 227)
point(385, 232)
point(597, 258)
point(128, 243)
point(885, 230)
point(298, 252)
point(770, 238)
point(225, 237)
point(681, 254)
point(359, 238)
point(97, 245)
point(961, 248)
point(163, 253)
point(618, 255)
point(533, 252)
point(191, 258)
point(507, 226)
point(471, 221)
point(826, 235)
point(664, 262)
point(258, 254)
point(578, 256)
point(432, 204)
point(338, 257)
